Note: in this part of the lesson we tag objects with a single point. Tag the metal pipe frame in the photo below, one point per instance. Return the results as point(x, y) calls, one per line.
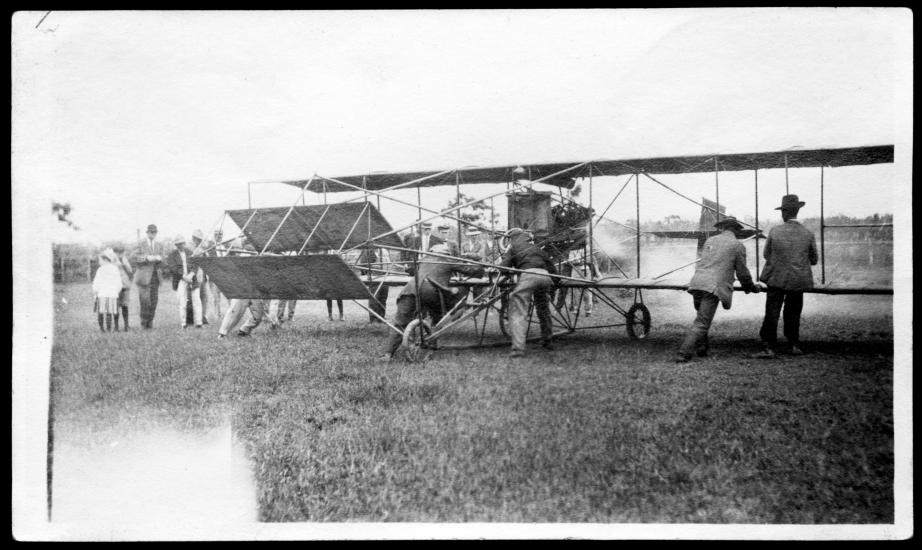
point(691, 200)
point(637, 202)
point(623, 187)
point(281, 223)
point(822, 232)
point(717, 186)
point(354, 225)
point(756, 172)
point(316, 225)
point(419, 207)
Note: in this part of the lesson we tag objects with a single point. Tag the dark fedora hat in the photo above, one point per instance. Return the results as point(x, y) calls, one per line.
point(790, 201)
point(728, 222)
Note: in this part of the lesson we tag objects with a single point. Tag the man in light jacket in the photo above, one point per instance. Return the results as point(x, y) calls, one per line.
point(790, 251)
point(722, 257)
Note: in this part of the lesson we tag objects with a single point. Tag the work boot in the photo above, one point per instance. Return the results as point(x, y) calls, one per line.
point(766, 353)
point(516, 353)
point(682, 358)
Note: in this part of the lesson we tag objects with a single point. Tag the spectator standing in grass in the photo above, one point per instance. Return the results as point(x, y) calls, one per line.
point(147, 259)
point(107, 284)
point(339, 305)
point(125, 272)
point(534, 282)
point(722, 257)
point(185, 281)
point(790, 251)
point(207, 289)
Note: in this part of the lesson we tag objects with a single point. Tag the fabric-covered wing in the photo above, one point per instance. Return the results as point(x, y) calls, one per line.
point(345, 223)
point(314, 277)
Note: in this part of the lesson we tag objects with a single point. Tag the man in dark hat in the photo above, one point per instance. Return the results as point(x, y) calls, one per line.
point(147, 259)
point(722, 257)
point(790, 251)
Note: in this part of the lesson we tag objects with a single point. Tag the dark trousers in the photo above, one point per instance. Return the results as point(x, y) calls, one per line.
point(696, 339)
point(148, 296)
point(792, 302)
point(566, 270)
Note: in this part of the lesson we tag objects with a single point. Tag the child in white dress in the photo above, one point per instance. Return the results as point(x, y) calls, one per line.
point(107, 284)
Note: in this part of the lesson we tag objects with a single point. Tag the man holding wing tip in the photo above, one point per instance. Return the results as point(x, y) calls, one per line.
point(722, 258)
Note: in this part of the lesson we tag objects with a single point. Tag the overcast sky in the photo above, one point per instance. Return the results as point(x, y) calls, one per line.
point(163, 117)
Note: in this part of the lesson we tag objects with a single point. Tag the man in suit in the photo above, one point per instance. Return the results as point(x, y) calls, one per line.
point(790, 251)
point(430, 288)
point(722, 257)
point(185, 281)
point(147, 259)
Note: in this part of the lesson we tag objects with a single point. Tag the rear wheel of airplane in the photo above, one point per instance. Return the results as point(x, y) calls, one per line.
point(413, 338)
point(638, 322)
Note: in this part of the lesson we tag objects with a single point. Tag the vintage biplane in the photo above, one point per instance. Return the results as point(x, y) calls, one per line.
point(314, 252)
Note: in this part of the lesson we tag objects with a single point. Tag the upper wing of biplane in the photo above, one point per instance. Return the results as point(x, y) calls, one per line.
point(562, 174)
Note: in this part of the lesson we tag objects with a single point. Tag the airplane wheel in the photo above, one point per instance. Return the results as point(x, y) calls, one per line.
point(638, 322)
point(413, 338)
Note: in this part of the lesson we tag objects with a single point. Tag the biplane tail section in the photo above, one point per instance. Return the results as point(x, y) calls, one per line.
point(709, 214)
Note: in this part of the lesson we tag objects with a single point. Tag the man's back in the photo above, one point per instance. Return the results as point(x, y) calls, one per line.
point(790, 250)
point(722, 258)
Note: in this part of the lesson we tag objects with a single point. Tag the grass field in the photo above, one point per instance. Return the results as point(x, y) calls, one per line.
point(602, 429)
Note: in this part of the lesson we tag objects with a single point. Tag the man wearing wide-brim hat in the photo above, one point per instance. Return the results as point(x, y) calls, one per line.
point(790, 252)
point(722, 258)
point(185, 281)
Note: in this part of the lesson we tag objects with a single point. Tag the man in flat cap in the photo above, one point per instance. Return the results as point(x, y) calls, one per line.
point(790, 251)
point(147, 259)
point(429, 289)
point(722, 257)
point(534, 283)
